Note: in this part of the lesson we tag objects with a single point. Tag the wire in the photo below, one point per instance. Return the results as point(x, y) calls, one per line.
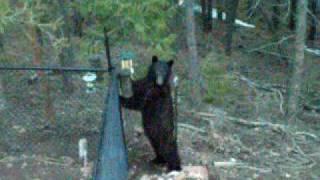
point(59, 69)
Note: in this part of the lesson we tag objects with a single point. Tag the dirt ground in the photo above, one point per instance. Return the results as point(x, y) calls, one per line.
point(257, 151)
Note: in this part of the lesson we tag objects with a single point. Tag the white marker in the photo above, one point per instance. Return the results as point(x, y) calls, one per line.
point(83, 151)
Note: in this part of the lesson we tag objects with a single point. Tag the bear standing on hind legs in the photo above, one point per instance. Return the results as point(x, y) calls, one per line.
point(152, 97)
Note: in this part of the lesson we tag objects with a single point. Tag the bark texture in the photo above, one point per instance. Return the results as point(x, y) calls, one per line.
point(313, 18)
point(209, 16)
point(194, 68)
point(298, 62)
point(2, 97)
point(67, 54)
point(276, 15)
point(219, 9)
point(293, 11)
point(232, 6)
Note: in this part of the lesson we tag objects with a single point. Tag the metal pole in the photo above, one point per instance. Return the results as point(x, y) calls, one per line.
point(106, 44)
point(55, 69)
point(112, 162)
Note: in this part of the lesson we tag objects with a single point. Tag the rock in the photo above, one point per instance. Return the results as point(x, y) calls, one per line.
point(24, 164)
point(196, 172)
point(9, 165)
point(19, 129)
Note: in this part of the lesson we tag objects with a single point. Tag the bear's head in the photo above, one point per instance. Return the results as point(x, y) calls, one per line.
point(160, 71)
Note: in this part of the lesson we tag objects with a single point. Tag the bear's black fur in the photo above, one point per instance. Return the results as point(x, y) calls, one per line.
point(152, 97)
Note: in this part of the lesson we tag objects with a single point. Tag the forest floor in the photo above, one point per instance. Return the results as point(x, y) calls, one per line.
point(231, 148)
point(244, 137)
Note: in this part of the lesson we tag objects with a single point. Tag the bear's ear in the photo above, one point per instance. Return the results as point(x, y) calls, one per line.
point(170, 63)
point(154, 59)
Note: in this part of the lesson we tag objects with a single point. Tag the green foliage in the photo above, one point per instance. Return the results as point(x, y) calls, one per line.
point(4, 7)
point(32, 13)
point(146, 21)
point(218, 82)
point(4, 19)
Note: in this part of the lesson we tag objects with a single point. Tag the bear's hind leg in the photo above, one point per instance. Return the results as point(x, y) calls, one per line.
point(155, 143)
point(173, 161)
point(158, 160)
point(171, 155)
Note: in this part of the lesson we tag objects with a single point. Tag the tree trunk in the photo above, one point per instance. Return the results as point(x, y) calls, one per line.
point(209, 16)
point(77, 20)
point(49, 108)
point(67, 54)
point(231, 8)
point(2, 97)
point(249, 8)
point(65, 58)
point(203, 14)
point(313, 26)
point(293, 11)
point(275, 15)
point(298, 62)
point(36, 61)
point(37, 44)
point(267, 18)
point(206, 14)
point(220, 9)
point(194, 68)
point(13, 3)
point(1, 45)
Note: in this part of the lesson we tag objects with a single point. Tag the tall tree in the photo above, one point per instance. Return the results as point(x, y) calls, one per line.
point(209, 16)
point(194, 68)
point(77, 18)
point(2, 98)
point(13, 3)
point(203, 13)
point(49, 108)
point(219, 4)
point(1, 44)
point(4, 8)
point(249, 8)
point(67, 54)
point(298, 61)
point(37, 43)
point(293, 11)
point(231, 8)
point(275, 15)
point(313, 25)
point(206, 13)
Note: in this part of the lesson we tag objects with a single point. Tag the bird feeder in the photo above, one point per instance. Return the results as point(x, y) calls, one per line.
point(125, 74)
point(89, 78)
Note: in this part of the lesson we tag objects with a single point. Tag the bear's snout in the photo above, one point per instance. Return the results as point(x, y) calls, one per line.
point(160, 80)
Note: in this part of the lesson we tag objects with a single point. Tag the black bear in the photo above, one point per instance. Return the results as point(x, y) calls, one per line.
point(152, 97)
